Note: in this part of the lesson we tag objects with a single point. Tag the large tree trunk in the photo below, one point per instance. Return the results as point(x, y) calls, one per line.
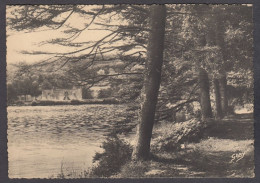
point(219, 114)
point(206, 111)
point(151, 82)
point(223, 94)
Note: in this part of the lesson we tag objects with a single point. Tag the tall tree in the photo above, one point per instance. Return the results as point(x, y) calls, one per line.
point(206, 110)
point(152, 81)
point(227, 34)
point(224, 20)
point(217, 98)
point(222, 81)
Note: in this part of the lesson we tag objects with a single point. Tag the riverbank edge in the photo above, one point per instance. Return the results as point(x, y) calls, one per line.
point(70, 102)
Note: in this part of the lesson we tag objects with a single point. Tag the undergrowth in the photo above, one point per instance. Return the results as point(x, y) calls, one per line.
point(116, 153)
point(171, 136)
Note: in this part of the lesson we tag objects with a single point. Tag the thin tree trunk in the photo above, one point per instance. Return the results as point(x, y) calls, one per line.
point(152, 81)
point(223, 94)
point(219, 113)
point(220, 42)
point(206, 111)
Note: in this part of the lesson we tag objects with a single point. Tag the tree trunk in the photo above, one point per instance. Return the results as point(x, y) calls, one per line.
point(206, 111)
point(152, 81)
point(219, 114)
point(220, 42)
point(223, 94)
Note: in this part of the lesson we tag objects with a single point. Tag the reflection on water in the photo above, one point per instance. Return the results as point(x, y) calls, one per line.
point(41, 138)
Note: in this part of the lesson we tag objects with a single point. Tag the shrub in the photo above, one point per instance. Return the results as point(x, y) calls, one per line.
point(169, 136)
point(34, 103)
point(116, 153)
point(134, 169)
point(87, 93)
point(106, 93)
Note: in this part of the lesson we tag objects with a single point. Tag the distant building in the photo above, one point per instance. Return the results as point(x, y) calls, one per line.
point(62, 94)
point(25, 98)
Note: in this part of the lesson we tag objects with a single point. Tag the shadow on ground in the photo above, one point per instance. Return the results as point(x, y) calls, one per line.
point(237, 127)
point(226, 150)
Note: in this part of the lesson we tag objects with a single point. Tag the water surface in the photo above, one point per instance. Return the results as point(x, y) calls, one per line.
point(44, 139)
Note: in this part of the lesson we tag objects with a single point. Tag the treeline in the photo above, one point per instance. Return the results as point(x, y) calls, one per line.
point(26, 81)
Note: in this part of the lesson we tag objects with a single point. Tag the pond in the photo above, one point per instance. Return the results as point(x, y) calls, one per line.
point(42, 140)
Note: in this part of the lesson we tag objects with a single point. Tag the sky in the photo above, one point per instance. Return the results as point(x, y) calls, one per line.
point(31, 41)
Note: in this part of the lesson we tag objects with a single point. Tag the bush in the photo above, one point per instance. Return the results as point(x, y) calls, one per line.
point(34, 103)
point(169, 136)
point(134, 169)
point(116, 153)
point(106, 93)
point(87, 93)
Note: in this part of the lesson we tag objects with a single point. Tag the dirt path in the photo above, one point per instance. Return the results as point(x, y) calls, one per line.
point(237, 127)
point(226, 150)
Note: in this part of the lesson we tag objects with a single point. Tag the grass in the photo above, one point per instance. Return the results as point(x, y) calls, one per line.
point(221, 157)
point(133, 169)
point(69, 172)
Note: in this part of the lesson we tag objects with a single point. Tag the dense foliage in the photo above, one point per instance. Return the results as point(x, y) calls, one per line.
point(116, 154)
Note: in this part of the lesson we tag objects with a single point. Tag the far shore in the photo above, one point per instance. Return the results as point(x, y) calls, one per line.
point(66, 102)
